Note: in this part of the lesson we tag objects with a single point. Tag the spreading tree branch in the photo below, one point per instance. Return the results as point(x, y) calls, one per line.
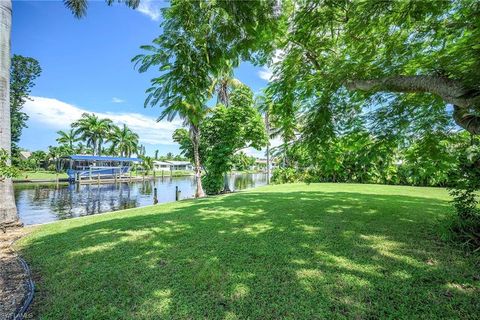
point(466, 101)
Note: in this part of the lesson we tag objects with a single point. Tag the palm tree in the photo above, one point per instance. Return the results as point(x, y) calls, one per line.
point(79, 7)
point(141, 150)
point(8, 209)
point(124, 141)
point(224, 84)
point(55, 153)
point(93, 130)
point(82, 149)
point(265, 105)
point(67, 138)
point(147, 164)
point(38, 157)
point(192, 116)
point(184, 85)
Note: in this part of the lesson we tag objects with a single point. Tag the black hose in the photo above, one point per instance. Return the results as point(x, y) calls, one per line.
point(28, 298)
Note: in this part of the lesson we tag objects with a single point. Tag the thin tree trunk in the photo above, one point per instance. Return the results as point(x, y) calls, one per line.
point(8, 209)
point(195, 136)
point(226, 187)
point(267, 127)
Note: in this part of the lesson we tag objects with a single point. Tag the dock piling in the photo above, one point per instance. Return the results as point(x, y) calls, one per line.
point(177, 193)
point(155, 198)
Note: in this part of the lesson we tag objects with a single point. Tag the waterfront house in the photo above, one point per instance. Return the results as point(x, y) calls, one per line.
point(171, 165)
point(161, 166)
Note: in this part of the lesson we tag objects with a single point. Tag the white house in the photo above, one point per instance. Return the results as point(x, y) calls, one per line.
point(180, 165)
point(171, 165)
point(24, 155)
point(161, 166)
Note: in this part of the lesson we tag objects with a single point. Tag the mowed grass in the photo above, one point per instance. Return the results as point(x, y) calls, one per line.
point(40, 175)
point(319, 251)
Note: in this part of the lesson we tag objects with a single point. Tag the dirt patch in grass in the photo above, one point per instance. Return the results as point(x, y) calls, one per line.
point(13, 278)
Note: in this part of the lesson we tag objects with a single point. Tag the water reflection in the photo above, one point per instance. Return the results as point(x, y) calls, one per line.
point(39, 203)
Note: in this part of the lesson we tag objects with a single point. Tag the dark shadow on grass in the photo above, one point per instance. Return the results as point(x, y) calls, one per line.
point(260, 255)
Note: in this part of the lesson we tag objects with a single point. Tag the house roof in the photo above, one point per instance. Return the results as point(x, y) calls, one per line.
point(102, 158)
point(162, 163)
point(179, 163)
point(26, 154)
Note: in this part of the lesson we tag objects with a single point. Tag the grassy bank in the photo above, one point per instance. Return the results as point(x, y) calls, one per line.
point(290, 251)
point(40, 175)
point(174, 173)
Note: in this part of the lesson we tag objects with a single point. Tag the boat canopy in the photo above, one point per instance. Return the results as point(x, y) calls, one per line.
point(103, 158)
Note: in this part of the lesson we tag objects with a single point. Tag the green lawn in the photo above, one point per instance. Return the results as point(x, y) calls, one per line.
point(323, 251)
point(40, 175)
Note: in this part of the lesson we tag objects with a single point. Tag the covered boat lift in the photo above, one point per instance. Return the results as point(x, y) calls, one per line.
point(85, 168)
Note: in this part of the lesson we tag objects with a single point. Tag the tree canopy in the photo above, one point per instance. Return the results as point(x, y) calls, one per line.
point(23, 72)
point(228, 130)
point(356, 85)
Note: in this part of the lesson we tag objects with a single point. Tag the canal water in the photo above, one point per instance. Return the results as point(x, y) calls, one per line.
point(40, 203)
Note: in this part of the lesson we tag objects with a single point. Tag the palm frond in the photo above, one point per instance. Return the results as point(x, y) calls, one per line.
point(77, 7)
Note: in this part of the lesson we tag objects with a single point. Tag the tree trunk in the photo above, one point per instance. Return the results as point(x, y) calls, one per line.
point(465, 101)
point(195, 136)
point(8, 210)
point(267, 127)
point(226, 187)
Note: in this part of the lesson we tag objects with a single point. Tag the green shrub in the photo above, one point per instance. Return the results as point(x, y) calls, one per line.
point(285, 175)
point(6, 170)
point(213, 183)
point(466, 224)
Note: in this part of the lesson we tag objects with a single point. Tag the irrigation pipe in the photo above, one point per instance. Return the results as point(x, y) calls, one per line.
point(30, 286)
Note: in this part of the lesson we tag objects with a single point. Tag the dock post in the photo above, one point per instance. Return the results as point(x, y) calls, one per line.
point(177, 193)
point(98, 178)
point(155, 198)
point(90, 173)
point(115, 175)
point(130, 176)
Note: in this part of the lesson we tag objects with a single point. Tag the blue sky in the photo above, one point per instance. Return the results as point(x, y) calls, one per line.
point(86, 68)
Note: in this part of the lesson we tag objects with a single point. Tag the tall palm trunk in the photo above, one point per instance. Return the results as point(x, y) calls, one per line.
point(95, 147)
point(8, 210)
point(267, 128)
point(195, 136)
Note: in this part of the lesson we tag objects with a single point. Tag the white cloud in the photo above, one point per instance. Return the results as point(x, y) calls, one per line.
point(265, 74)
point(58, 115)
point(117, 100)
point(151, 9)
point(275, 142)
point(278, 56)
